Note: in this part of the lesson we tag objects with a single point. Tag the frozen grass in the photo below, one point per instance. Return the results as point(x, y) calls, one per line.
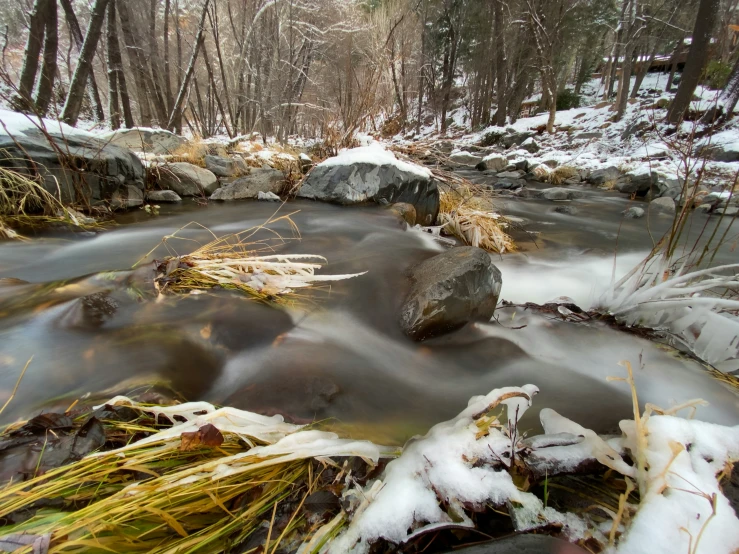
point(234, 261)
point(164, 494)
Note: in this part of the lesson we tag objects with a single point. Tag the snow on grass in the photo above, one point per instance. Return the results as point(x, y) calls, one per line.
point(374, 154)
point(463, 464)
point(459, 463)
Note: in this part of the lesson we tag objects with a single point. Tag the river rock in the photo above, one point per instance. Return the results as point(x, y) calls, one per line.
point(370, 174)
point(249, 186)
point(450, 290)
point(126, 197)
point(667, 186)
point(141, 139)
point(493, 162)
point(510, 174)
point(639, 181)
point(164, 196)
point(603, 176)
point(404, 211)
point(509, 184)
point(558, 193)
point(666, 205)
point(225, 167)
point(634, 212)
point(588, 135)
point(107, 167)
point(464, 159)
point(567, 210)
point(187, 179)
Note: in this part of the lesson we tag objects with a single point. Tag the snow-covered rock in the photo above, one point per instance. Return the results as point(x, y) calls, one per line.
point(639, 181)
point(450, 290)
point(52, 149)
point(249, 186)
point(530, 145)
point(186, 179)
point(373, 174)
point(144, 139)
point(464, 159)
point(493, 162)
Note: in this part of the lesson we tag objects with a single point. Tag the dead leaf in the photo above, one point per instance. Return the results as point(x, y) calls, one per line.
point(207, 435)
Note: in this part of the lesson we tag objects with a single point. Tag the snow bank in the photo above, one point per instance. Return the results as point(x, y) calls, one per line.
point(374, 154)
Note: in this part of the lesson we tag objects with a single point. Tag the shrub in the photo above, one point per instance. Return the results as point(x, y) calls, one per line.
point(560, 174)
point(567, 99)
point(716, 74)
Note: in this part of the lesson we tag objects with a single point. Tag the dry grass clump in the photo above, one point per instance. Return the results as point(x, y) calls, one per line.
point(24, 202)
point(609, 185)
point(560, 174)
point(195, 150)
point(468, 214)
point(235, 262)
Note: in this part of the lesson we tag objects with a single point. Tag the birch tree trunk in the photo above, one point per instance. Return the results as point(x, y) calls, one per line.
point(116, 77)
point(32, 52)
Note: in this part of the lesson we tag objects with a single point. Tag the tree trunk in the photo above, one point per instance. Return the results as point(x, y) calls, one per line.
point(500, 66)
point(176, 113)
point(74, 29)
point(697, 57)
point(136, 62)
point(116, 77)
point(167, 73)
point(48, 71)
point(32, 52)
point(72, 106)
point(155, 75)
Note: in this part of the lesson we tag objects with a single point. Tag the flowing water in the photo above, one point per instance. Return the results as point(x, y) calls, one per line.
point(338, 355)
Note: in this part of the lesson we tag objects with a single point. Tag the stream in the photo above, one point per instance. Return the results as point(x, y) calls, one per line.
point(338, 354)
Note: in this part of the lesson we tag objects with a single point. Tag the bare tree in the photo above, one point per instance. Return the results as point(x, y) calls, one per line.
point(72, 106)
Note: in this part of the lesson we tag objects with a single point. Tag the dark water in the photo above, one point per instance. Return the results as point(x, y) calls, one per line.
point(94, 328)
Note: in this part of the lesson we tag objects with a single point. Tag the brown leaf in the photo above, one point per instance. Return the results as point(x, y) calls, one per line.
point(207, 435)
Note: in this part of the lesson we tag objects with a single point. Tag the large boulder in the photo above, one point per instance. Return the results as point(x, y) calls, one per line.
point(530, 145)
point(225, 167)
point(667, 186)
point(450, 290)
point(372, 174)
point(126, 197)
point(602, 176)
point(639, 181)
point(464, 159)
point(142, 139)
point(514, 138)
point(727, 152)
point(187, 179)
point(72, 163)
point(264, 180)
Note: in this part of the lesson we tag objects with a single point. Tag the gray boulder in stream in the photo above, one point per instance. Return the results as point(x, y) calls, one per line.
point(74, 163)
point(450, 290)
point(371, 174)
